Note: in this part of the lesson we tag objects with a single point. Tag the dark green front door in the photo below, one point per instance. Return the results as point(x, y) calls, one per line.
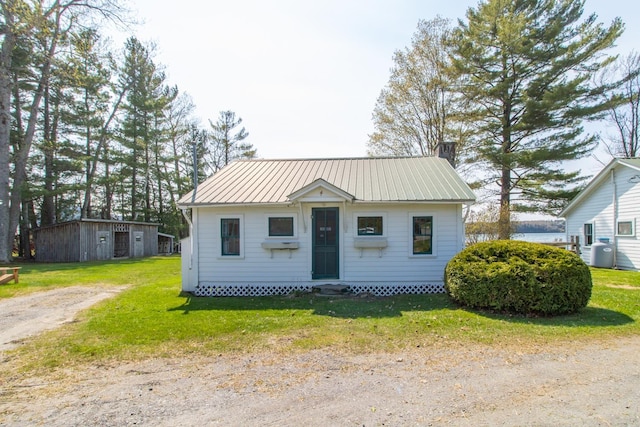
point(325, 243)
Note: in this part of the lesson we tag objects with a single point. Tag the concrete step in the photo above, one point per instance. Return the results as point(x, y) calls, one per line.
point(331, 289)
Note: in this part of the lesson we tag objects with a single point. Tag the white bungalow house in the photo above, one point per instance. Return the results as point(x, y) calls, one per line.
point(378, 225)
point(607, 209)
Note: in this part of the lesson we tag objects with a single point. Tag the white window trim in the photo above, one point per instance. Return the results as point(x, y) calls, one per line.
point(218, 239)
point(593, 233)
point(633, 227)
point(434, 237)
point(289, 214)
point(385, 224)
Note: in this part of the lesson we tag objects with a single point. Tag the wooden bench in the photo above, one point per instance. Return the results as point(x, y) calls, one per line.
point(6, 276)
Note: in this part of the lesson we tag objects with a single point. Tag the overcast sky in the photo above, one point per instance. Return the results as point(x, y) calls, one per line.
point(303, 75)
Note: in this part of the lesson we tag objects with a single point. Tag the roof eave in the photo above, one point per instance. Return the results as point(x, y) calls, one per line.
point(223, 205)
point(601, 176)
point(293, 203)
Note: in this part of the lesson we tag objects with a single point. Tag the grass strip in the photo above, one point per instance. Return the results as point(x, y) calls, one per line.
point(152, 318)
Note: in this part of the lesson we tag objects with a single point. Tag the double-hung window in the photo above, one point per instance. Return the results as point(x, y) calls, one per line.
point(588, 234)
point(230, 236)
point(422, 235)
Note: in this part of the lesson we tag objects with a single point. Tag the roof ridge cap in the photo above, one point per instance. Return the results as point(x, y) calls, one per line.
point(303, 159)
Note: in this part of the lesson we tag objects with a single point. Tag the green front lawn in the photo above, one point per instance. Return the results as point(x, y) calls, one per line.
point(152, 318)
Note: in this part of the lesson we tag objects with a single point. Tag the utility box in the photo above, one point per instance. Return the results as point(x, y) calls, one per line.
point(602, 254)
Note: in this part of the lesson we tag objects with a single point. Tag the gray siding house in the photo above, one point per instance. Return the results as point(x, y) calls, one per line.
point(608, 208)
point(378, 225)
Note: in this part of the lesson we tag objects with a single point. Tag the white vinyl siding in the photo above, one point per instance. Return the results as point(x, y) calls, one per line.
point(628, 189)
point(392, 264)
point(598, 209)
point(256, 264)
point(396, 262)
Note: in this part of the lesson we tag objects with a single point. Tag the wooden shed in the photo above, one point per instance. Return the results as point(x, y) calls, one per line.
point(165, 244)
point(95, 239)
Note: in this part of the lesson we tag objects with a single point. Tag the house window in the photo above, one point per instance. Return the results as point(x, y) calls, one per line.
point(422, 235)
point(280, 226)
point(230, 234)
point(625, 228)
point(588, 234)
point(369, 226)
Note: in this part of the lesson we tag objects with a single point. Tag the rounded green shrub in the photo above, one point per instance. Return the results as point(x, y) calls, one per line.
point(519, 277)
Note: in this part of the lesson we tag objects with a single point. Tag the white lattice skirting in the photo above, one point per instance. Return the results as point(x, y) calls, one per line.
point(262, 289)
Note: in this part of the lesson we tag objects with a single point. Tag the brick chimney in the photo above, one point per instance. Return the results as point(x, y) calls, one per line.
point(447, 150)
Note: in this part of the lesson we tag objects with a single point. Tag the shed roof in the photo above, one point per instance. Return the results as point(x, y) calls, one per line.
point(97, 220)
point(593, 184)
point(411, 179)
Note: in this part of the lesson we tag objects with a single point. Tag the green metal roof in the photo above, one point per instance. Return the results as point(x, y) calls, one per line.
point(405, 179)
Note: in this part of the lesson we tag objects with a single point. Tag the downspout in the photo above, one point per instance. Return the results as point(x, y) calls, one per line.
point(184, 213)
point(193, 200)
point(615, 217)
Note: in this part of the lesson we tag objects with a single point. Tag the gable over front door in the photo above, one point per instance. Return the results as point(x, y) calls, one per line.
point(325, 245)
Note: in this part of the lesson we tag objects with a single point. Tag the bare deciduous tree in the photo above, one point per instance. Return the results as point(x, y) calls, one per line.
point(413, 112)
point(624, 115)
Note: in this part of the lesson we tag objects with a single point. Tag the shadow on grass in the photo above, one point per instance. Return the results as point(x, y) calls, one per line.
point(354, 307)
point(348, 307)
point(588, 316)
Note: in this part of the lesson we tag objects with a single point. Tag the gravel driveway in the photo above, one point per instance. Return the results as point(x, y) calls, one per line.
point(22, 317)
point(594, 384)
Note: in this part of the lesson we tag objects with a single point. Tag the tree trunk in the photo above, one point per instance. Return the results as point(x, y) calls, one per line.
point(158, 173)
point(134, 180)
point(86, 204)
point(6, 237)
point(25, 241)
point(147, 181)
point(92, 163)
point(22, 156)
point(48, 213)
point(24, 146)
point(108, 189)
point(504, 220)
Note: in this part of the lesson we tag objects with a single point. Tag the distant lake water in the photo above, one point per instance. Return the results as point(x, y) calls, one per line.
point(539, 237)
